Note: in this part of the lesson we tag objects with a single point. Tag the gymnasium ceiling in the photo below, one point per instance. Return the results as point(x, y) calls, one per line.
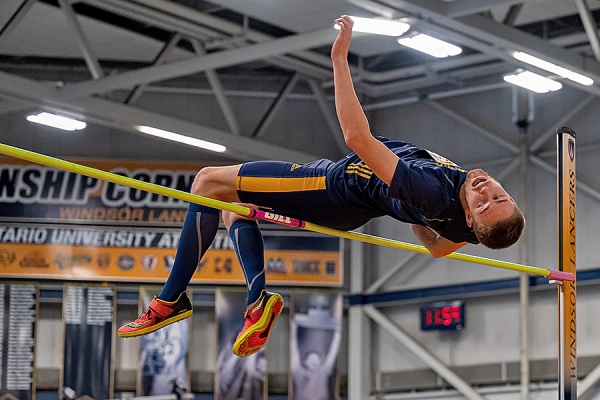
point(85, 58)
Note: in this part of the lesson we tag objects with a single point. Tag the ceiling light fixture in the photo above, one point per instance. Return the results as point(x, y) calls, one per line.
point(430, 45)
point(57, 121)
point(555, 69)
point(378, 26)
point(533, 82)
point(176, 137)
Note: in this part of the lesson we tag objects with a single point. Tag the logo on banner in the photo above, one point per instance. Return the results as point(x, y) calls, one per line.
point(125, 262)
point(330, 267)
point(149, 262)
point(103, 260)
point(69, 261)
point(306, 266)
point(275, 265)
point(169, 261)
point(33, 260)
point(7, 257)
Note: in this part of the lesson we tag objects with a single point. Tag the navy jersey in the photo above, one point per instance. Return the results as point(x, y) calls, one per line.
point(346, 194)
point(424, 190)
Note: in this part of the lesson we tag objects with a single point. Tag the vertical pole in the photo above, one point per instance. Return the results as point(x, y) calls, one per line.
point(524, 280)
point(567, 384)
point(359, 330)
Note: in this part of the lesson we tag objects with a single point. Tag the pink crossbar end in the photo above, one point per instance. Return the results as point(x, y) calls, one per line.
point(560, 275)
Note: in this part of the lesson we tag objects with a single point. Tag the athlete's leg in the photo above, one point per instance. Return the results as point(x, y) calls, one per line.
point(248, 244)
point(263, 307)
point(198, 232)
point(200, 227)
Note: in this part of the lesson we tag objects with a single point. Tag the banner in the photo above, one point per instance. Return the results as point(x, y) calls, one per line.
point(71, 252)
point(32, 192)
point(237, 378)
point(88, 349)
point(18, 314)
point(315, 335)
point(163, 354)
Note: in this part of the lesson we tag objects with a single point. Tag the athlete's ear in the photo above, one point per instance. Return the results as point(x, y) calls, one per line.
point(469, 218)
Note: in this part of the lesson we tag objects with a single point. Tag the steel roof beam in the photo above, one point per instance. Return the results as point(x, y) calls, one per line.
point(88, 55)
point(269, 116)
point(590, 26)
point(219, 92)
point(178, 16)
point(117, 115)
point(511, 15)
point(330, 116)
point(200, 64)
point(159, 59)
point(14, 20)
point(467, 7)
point(499, 40)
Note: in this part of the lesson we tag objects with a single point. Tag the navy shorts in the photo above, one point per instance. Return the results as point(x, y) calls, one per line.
point(294, 190)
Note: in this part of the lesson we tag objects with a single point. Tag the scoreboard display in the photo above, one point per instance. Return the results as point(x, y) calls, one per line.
point(443, 315)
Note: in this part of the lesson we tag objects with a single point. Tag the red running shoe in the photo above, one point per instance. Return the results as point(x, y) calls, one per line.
point(160, 313)
point(258, 321)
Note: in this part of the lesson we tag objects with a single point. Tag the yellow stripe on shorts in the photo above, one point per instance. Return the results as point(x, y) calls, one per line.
point(280, 185)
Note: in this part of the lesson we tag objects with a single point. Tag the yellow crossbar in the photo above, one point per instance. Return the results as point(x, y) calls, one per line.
point(224, 206)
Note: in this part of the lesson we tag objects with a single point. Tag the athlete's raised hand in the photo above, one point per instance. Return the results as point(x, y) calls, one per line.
point(342, 43)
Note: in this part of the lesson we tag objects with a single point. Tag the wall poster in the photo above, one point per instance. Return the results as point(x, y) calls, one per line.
point(19, 305)
point(315, 335)
point(164, 354)
point(237, 378)
point(88, 349)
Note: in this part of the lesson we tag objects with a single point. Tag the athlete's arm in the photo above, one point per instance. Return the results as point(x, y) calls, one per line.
point(437, 245)
point(353, 121)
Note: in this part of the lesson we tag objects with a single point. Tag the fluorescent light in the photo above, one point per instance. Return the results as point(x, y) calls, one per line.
point(176, 137)
point(533, 82)
point(548, 66)
point(378, 26)
point(430, 45)
point(57, 121)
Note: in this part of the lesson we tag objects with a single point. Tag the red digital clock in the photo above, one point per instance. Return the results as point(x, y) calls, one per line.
point(443, 315)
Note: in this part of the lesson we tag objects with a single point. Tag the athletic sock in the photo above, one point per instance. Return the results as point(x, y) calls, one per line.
point(198, 232)
point(248, 243)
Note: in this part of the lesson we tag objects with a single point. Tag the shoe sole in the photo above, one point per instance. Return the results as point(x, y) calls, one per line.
point(262, 328)
point(155, 327)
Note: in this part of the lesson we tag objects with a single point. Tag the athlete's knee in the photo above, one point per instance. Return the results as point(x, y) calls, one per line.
point(207, 182)
point(230, 217)
point(217, 183)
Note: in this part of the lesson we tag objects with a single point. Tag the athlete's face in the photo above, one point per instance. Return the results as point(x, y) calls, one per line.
point(487, 201)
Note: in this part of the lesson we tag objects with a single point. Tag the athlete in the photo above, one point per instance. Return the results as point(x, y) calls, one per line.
point(446, 206)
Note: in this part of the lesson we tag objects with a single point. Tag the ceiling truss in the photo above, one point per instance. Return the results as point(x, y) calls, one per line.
point(218, 43)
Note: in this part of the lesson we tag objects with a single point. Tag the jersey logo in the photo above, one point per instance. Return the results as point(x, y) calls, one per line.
point(359, 169)
point(443, 161)
point(294, 167)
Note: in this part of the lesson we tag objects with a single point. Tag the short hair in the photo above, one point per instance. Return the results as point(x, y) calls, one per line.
point(501, 234)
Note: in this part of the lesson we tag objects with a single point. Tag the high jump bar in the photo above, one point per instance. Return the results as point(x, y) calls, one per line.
point(266, 216)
